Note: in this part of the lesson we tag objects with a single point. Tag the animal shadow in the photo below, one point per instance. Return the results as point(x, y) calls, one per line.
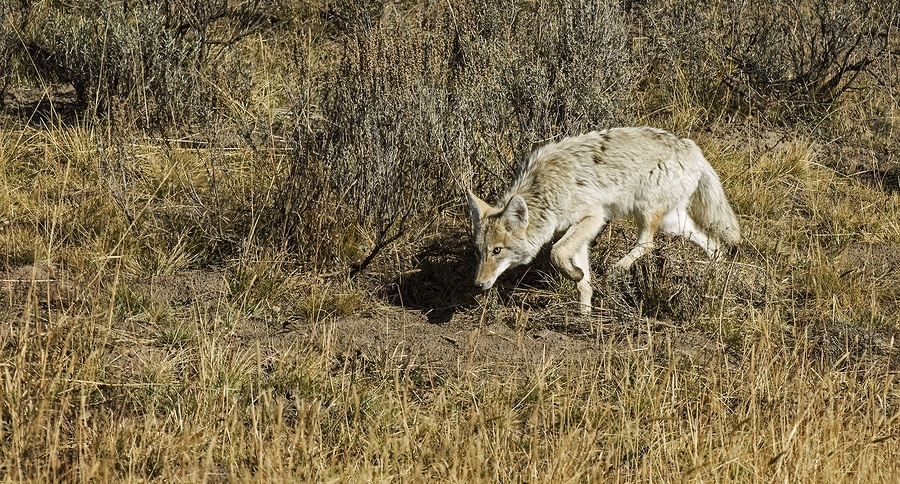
point(440, 284)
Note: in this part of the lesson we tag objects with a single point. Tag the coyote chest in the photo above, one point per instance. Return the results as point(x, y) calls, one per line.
point(568, 191)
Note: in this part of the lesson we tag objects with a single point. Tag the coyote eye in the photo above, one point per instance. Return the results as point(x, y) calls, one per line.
point(496, 250)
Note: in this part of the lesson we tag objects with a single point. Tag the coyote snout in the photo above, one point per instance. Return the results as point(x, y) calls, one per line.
point(574, 187)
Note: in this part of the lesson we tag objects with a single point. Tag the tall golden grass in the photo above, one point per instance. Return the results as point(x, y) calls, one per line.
point(175, 302)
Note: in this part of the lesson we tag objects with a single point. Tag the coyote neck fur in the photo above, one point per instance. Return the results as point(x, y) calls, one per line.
point(544, 224)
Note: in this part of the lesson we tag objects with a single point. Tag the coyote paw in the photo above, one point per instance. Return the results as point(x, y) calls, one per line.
point(584, 310)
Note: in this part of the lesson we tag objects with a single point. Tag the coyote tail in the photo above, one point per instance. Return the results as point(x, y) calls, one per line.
point(710, 208)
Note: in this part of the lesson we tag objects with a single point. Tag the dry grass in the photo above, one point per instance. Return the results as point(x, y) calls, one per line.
point(179, 308)
point(113, 369)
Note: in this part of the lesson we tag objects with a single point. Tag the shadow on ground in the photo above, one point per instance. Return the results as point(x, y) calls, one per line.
point(57, 103)
point(440, 284)
point(887, 180)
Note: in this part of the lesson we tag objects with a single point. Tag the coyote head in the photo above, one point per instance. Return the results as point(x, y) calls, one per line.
point(500, 237)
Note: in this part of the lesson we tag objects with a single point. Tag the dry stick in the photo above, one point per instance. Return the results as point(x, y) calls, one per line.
point(382, 243)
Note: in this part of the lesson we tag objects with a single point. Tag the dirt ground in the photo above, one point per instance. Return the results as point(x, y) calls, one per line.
point(466, 343)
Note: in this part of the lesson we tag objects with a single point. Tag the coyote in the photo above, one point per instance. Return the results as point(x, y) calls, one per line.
point(567, 191)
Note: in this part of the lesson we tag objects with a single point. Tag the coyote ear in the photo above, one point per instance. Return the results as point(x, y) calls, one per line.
point(516, 212)
point(478, 208)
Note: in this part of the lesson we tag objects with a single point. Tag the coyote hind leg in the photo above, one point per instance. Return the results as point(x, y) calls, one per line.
point(647, 225)
point(678, 222)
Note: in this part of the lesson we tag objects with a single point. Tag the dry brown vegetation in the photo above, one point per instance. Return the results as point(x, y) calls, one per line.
point(233, 243)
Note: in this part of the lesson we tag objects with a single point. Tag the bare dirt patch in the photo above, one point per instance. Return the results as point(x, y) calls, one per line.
point(47, 285)
point(464, 348)
point(186, 287)
point(405, 339)
point(876, 266)
point(514, 344)
point(870, 259)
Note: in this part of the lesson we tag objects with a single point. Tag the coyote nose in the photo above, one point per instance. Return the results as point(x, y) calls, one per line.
point(484, 285)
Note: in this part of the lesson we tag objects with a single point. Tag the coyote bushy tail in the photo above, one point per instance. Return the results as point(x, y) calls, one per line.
point(709, 206)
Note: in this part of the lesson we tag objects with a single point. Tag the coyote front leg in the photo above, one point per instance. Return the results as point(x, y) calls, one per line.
point(570, 255)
